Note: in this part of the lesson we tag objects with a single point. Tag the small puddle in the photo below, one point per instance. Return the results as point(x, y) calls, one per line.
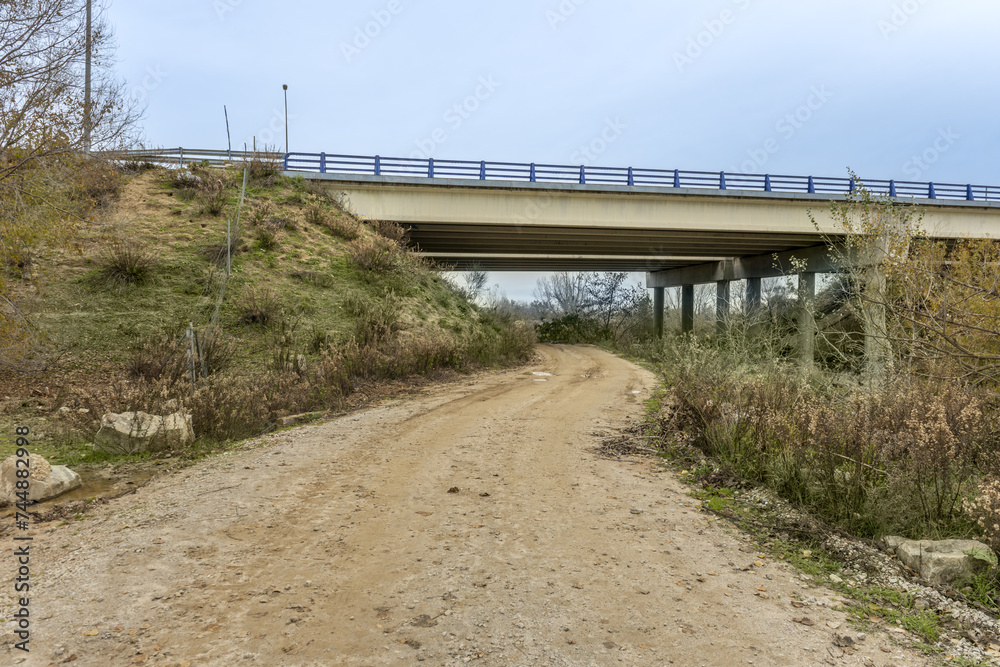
point(548, 375)
point(98, 482)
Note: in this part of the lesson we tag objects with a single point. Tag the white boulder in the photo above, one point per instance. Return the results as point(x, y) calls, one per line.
point(942, 561)
point(134, 432)
point(44, 481)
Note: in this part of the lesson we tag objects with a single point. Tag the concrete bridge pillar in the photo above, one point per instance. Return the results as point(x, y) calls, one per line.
point(687, 308)
point(753, 296)
point(807, 321)
point(722, 305)
point(658, 310)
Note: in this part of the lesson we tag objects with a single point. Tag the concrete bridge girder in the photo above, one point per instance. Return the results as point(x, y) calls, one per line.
point(504, 225)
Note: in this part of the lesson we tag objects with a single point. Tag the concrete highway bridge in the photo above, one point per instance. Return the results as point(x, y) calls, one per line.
point(682, 228)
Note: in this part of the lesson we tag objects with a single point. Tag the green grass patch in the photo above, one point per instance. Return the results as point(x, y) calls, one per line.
point(895, 607)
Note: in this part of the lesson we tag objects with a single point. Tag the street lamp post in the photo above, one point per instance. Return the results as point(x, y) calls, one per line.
point(284, 87)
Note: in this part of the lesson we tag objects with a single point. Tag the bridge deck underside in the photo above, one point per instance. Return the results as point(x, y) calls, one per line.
point(535, 248)
point(534, 226)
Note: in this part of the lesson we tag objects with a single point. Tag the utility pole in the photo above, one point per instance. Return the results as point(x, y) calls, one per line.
point(86, 90)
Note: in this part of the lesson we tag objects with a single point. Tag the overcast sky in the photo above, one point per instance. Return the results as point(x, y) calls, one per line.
point(899, 89)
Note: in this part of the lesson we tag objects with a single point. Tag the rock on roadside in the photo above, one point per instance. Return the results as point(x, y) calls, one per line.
point(45, 481)
point(943, 561)
point(134, 432)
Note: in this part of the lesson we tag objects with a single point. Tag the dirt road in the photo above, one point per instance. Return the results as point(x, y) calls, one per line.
point(468, 524)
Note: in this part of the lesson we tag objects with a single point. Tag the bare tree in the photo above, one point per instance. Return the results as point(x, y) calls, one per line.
point(563, 294)
point(612, 299)
point(475, 281)
point(43, 48)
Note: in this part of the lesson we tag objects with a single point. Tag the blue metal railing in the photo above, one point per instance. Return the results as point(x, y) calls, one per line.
point(328, 163)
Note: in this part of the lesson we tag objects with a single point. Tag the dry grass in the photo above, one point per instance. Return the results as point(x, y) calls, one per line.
point(343, 227)
point(375, 254)
point(165, 358)
point(259, 212)
point(258, 307)
point(158, 359)
point(900, 459)
point(390, 230)
point(125, 264)
point(264, 166)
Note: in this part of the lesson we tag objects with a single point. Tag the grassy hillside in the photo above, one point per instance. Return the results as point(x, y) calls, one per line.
point(318, 303)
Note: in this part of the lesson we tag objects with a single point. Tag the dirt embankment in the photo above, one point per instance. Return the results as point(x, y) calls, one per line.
point(471, 524)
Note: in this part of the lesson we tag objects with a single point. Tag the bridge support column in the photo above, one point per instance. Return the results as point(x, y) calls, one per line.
point(722, 306)
point(753, 297)
point(658, 311)
point(807, 321)
point(687, 308)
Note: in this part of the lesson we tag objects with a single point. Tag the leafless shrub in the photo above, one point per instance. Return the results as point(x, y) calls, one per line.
point(98, 184)
point(902, 457)
point(215, 197)
point(124, 264)
point(258, 307)
point(267, 237)
point(390, 230)
point(316, 215)
point(165, 358)
point(217, 351)
point(315, 278)
point(264, 166)
point(342, 226)
point(375, 254)
point(161, 358)
point(376, 320)
point(259, 212)
point(984, 508)
point(134, 166)
point(233, 407)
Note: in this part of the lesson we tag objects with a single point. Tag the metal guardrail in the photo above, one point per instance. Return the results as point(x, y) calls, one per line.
point(328, 163)
point(180, 156)
point(375, 165)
